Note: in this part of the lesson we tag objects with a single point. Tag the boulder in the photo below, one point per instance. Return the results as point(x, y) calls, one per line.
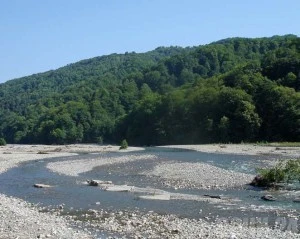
point(38, 185)
point(92, 183)
point(297, 200)
point(98, 182)
point(268, 198)
point(213, 196)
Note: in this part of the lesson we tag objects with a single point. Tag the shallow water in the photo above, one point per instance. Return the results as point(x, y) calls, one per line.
point(72, 191)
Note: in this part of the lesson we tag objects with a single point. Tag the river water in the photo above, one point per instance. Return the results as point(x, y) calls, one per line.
point(74, 194)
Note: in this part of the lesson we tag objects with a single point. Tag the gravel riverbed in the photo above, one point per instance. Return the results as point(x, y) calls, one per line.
point(19, 219)
point(153, 225)
point(23, 220)
point(198, 175)
point(75, 167)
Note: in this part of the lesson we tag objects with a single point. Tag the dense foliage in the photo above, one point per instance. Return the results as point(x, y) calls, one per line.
point(232, 90)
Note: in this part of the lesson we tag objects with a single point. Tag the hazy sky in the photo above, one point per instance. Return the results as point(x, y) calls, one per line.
point(39, 35)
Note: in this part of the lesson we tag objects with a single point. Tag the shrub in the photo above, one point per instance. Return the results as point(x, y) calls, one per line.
point(2, 142)
point(124, 144)
point(283, 172)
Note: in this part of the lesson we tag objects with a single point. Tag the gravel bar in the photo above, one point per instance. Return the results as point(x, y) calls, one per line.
point(198, 175)
point(76, 167)
point(22, 220)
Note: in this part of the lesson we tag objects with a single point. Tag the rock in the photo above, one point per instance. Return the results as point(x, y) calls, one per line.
point(175, 231)
point(213, 196)
point(268, 198)
point(118, 188)
point(92, 211)
point(92, 183)
point(258, 181)
point(98, 182)
point(164, 197)
point(297, 200)
point(38, 185)
point(233, 236)
point(42, 152)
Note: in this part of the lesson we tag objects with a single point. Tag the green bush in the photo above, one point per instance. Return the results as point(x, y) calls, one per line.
point(283, 172)
point(124, 144)
point(2, 142)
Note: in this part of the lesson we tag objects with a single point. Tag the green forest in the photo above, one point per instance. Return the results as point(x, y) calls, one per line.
point(230, 91)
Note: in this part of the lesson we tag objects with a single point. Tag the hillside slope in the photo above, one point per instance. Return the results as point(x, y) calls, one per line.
point(231, 90)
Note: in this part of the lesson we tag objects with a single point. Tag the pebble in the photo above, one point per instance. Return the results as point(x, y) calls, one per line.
point(153, 225)
point(19, 219)
point(198, 175)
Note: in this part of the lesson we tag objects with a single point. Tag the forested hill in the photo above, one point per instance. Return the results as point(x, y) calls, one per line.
point(231, 90)
point(101, 70)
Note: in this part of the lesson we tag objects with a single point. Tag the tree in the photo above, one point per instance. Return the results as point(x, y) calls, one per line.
point(244, 121)
point(142, 121)
point(124, 144)
point(280, 112)
point(230, 90)
point(223, 129)
point(2, 142)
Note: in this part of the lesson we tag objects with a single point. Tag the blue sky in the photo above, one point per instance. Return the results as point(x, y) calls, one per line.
point(40, 35)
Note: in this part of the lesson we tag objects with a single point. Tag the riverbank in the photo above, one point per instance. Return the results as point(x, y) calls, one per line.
point(242, 149)
point(22, 220)
point(19, 219)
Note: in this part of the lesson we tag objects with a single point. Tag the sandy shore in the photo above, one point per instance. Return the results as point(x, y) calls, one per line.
point(21, 220)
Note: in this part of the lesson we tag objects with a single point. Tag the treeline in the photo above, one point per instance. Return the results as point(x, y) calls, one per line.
point(232, 90)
